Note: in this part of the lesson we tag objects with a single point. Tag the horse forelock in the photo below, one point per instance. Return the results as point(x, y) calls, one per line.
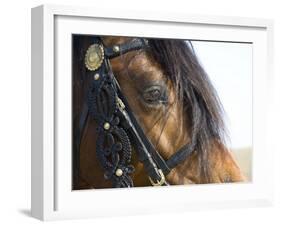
point(196, 93)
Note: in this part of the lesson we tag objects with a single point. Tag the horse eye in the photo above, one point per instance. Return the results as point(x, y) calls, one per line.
point(154, 95)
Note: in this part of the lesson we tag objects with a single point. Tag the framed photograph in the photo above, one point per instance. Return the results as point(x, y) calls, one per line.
point(136, 112)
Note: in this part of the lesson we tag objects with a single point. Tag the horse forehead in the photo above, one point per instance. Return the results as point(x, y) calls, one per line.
point(138, 61)
point(136, 64)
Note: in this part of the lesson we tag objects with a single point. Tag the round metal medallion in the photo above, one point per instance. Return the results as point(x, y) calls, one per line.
point(94, 57)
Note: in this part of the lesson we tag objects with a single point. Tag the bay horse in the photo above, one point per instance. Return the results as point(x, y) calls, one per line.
point(175, 103)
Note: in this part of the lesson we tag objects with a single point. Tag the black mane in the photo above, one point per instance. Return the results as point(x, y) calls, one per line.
point(195, 90)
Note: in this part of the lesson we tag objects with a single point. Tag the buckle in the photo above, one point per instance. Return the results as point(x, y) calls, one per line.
point(162, 180)
point(120, 104)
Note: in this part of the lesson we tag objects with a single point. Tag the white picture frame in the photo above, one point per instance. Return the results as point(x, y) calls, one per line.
point(52, 197)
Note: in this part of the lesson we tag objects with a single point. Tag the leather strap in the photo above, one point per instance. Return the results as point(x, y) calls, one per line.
point(183, 153)
point(147, 154)
point(134, 44)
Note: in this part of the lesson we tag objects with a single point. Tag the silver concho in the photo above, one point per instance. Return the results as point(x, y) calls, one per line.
point(94, 57)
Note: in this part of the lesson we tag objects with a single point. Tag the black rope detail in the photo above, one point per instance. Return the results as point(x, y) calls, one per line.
point(113, 145)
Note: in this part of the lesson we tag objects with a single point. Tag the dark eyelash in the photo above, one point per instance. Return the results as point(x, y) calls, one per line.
point(162, 101)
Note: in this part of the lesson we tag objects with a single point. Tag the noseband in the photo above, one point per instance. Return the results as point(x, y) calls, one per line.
point(118, 131)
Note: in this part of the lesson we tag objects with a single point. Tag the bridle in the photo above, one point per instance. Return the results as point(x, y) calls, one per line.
point(117, 128)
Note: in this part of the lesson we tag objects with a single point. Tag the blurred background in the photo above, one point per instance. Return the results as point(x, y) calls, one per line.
point(229, 66)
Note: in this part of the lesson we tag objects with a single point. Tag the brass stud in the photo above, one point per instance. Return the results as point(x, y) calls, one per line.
point(106, 126)
point(96, 76)
point(118, 172)
point(116, 49)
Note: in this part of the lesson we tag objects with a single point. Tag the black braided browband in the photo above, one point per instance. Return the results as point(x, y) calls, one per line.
point(117, 128)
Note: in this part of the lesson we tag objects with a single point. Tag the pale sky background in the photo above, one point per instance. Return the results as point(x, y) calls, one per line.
point(229, 66)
